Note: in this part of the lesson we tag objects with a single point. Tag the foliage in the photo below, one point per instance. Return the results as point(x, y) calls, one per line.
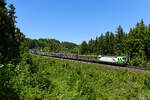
point(50, 45)
point(63, 80)
point(46, 49)
point(11, 49)
point(84, 48)
point(69, 45)
point(10, 35)
point(6, 90)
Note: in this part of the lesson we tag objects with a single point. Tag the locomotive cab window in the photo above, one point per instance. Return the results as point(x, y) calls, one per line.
point(124, 58)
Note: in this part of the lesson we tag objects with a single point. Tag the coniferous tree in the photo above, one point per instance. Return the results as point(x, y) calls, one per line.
point(91, 46)
point(112, 44)
point(119, 41)
point(107, 43)
point(84, 48)
point(101, 44)
point(10, 35)
point(136, 40)
point(95, 46)
point(147, 45)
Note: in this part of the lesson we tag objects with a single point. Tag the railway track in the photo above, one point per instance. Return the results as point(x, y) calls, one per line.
point(134, 68)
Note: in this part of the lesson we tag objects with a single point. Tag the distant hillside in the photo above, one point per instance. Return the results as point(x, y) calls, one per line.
point(51, 45)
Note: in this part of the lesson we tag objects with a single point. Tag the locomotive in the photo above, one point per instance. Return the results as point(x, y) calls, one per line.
point(121, 60)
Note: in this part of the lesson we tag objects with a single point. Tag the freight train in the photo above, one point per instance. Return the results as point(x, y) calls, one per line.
point(118, 60)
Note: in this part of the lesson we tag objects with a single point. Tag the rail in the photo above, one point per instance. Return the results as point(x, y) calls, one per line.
point(135, 68)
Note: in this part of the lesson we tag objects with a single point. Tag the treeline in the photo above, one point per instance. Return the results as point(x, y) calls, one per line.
point(51, 45)
point(135, 44)
point(107, 44)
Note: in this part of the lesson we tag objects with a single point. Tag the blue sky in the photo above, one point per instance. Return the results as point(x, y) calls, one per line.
point(78, 20)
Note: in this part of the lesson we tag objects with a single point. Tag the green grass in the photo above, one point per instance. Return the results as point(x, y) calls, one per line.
point(54, 79)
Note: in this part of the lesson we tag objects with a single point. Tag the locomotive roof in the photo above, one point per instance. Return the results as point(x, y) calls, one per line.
point(111, 56)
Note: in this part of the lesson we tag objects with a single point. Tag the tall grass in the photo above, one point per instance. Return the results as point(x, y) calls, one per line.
point(48, 78)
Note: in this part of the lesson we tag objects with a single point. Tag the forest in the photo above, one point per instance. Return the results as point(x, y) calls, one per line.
point(29, 77)
point(51, 45)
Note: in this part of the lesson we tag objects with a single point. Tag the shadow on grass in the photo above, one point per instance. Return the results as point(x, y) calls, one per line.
point(8, 93)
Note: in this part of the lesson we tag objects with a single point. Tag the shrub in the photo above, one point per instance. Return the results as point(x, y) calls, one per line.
point(138, 61)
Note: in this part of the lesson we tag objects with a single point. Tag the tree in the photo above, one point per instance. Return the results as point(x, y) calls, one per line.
point(147, 43)
point(11, 40)
point(138, 41)
point(91, 46)
point(84, 48)
point(101, 43)
point(112, 44)
point(2, 4)
point(107, 43)
point(10, 35)
point(46, 49)
point(119, 41)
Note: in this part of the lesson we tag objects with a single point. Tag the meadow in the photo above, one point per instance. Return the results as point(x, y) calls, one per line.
point(43, 78)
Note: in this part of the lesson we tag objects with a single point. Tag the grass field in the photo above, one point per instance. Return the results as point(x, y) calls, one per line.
point(54, 79)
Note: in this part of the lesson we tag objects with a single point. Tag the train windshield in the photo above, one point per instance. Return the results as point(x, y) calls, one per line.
point(125, 59)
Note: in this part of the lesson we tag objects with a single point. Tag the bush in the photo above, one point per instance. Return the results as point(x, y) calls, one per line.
point(138, 61)
point(0, 58)
point(6, 91)
point(148, 64)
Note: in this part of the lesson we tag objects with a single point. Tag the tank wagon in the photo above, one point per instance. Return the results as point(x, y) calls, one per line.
point(119, 60)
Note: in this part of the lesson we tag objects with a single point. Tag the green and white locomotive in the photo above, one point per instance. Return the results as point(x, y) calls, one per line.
point(121, 60)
